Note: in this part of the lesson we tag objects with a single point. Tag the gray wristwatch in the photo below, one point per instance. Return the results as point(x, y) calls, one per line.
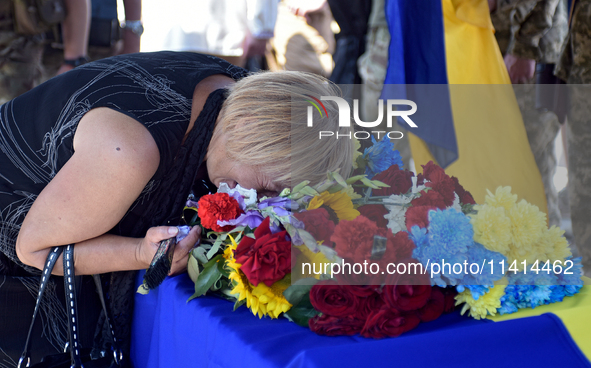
point(135, 26)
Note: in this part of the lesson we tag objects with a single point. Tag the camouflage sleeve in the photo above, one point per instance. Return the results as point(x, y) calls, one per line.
point(530, 20)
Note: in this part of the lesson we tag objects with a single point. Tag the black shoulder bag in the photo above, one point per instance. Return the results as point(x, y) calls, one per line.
point(77, 355)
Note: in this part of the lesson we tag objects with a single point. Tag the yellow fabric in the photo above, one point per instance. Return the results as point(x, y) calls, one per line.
point(492, 142)
point(574, 311)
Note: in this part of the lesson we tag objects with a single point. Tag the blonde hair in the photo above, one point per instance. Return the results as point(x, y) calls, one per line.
point(265, 120)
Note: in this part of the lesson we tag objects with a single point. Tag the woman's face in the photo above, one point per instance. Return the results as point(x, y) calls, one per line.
point(222, 169)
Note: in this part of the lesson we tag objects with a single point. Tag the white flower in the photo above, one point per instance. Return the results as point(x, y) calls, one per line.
point(249, 195)
point(396, 218)
point(456, 205)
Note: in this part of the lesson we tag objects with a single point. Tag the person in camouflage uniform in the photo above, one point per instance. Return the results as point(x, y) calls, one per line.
point(530, 32)
point(372, 70)
point(20, 57)
point(574, 67)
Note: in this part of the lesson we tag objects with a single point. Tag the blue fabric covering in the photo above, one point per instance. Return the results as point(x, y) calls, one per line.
point(417, 57)
point(169, 332)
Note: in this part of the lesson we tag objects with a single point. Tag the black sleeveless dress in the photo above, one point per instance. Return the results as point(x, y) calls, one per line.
point(36, 140)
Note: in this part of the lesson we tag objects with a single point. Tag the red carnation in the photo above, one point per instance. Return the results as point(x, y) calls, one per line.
point(317, 222)
point(388, 322)
point(335, 326)
point(445, 188)
point(433, 172)
point(403, 247)
point(399, 181)
point(350, 236)
point(419, 216)
point(267, 258)
point(434, 307)
point(375, 212)
point(430, 198)
point(463, 194)
point(218, 206)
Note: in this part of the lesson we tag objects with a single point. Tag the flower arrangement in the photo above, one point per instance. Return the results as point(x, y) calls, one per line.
point(286, 256)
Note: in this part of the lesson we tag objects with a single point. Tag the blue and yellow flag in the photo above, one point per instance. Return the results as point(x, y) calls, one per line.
point(480, 137)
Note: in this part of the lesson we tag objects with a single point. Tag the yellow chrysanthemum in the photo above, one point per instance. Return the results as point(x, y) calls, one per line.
point(261, 299)
point(501, 198)
point(316, 261)
point(339, 202)
point(492, 228)
point(356, 151)
point(527, 226)
point(554, 245)
point(486, 304)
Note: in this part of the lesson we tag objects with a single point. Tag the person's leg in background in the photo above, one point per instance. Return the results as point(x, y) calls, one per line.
point(372, 69)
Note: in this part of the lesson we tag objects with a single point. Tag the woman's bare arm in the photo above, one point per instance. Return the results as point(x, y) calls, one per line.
point(115, 157)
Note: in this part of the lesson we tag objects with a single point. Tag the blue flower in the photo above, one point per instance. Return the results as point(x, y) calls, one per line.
point(450, 231)
point(571, 280)
point(380, 156)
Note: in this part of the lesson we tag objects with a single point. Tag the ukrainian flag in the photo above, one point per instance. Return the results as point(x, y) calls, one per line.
point(473, 127)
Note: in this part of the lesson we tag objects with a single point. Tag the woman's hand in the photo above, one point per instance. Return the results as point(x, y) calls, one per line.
point(149, 244)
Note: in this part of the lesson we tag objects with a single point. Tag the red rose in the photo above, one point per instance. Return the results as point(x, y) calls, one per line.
point(218, 206)
point(434, 307)
point(430, 198)
point(267, 258)
point(350, 236)
point(317, 223)
point(449, 295)
point(375, 212)
point(463, 194)
point(388, 322)
point(418, 215)
point(399, 181)
point(336, 300)
point(408, 289)
point(369, 304)
point(335, 326)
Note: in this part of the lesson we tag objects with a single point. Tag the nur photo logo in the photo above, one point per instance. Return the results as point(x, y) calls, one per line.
point(344, 111)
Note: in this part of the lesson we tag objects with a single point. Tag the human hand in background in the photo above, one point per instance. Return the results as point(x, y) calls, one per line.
point(520, 70)
point(254, 46)
point(304, 8)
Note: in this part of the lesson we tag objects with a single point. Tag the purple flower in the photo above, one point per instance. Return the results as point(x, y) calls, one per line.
point(281, 206)
point(183, 232)
point(191, 204)
point(251, 218)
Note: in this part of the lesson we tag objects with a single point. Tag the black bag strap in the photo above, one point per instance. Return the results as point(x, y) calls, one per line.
point(47, 268)
point(71, 307)
point(117, 352)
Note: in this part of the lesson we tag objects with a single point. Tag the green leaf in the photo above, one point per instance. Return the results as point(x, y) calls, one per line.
point(369, 183)
point(300, 186)
point(302, 312)
point(340, 179)
point(199, 253)
point(380, 184)
point(353, 179)
point(238, 304)
point(298, 290)
point(209, 276)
